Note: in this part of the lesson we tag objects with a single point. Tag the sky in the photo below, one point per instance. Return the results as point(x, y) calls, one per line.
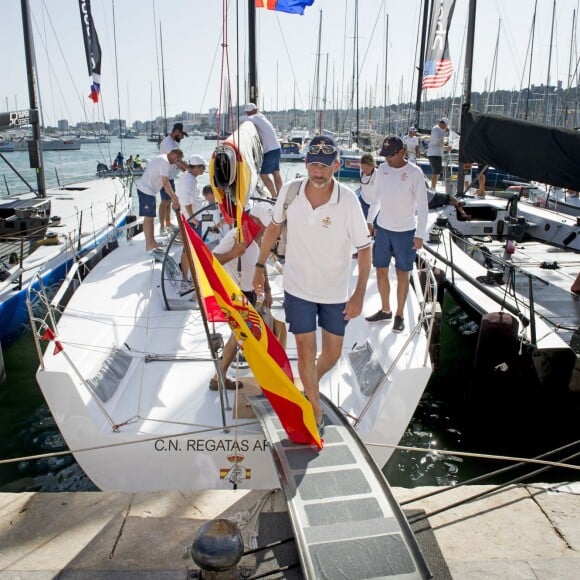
point(130, 33)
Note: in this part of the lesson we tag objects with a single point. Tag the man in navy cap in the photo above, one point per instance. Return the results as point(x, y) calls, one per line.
point(168, 144)
point(400, 208)
point(324, 220)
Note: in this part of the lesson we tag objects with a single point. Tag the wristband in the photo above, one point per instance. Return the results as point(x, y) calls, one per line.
point(258, 265)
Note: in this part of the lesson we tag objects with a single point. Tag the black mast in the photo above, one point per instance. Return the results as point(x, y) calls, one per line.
point(467, 75)
point(34, 147)
point(252, 70)
point(421, 63)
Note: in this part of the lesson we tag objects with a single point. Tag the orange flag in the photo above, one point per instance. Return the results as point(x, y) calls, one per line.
point(264, 353)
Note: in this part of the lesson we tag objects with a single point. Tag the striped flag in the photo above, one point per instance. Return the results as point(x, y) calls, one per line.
point(264, 353)
point(438, 68)
point(290, 6)
point(92, 49)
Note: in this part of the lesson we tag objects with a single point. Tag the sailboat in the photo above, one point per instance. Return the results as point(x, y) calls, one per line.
point(513, 262)
point(128, 368)
point(44, 230)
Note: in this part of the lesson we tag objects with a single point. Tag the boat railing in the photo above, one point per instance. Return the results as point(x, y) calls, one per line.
point(64, 174)
point(45, 304)
point(425, 288)
point(511, 300)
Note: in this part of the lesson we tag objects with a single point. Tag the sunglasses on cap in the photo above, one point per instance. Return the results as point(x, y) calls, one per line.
point(324, 149)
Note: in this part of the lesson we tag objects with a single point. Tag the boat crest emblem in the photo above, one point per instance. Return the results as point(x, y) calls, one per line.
point(237, 472)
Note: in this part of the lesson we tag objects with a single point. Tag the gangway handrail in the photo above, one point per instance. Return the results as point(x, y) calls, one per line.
point(426, 318)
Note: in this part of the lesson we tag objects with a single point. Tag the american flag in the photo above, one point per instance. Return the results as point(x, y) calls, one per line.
point(437, 69)
point(436, 73)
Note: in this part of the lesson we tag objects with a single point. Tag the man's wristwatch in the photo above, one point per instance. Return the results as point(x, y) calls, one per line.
point(258, 265)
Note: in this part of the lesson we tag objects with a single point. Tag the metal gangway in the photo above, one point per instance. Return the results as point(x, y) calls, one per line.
point(346, 521)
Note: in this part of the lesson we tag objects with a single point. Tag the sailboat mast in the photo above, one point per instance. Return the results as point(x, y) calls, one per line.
point(549, 65)
point(252, 68)
point(316, 104)
point(34, 147)
point(356, 69)
point(531, 57)
point(421, 63)
point(166, 132)
point(467, 76)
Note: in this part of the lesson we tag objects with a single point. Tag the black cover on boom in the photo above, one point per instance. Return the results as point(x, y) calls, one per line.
point(549, 155)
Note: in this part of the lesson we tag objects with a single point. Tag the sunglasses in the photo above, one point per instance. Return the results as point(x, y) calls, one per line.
point(324, 149)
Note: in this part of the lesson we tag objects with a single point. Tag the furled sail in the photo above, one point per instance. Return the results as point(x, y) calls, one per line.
point(549, 155)
point(233, 175)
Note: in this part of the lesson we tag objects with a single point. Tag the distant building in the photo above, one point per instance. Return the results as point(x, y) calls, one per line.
point(62, 125)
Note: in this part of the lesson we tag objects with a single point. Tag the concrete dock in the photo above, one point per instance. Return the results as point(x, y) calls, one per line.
point(524, 532)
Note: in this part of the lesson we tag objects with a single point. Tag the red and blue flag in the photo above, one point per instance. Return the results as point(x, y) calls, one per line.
point(92, 48)
point(290, 6)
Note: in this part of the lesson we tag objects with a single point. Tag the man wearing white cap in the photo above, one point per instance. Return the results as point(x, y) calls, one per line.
point(188, 190)
point(242, 272)
point(411, 143)
point(436, 148)
point(191, 200)
point(271, 147)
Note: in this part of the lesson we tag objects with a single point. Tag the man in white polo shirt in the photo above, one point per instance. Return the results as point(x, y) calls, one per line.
point(324, 221)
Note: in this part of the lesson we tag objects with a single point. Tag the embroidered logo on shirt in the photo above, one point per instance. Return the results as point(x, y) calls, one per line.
point(326, 222)
point(404, 176)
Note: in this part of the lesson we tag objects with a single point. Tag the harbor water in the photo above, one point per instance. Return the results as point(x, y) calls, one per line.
point(444, 419)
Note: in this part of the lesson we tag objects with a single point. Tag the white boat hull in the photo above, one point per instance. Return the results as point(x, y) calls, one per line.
point(88, 213)
point(161, 427)
point(536, 278)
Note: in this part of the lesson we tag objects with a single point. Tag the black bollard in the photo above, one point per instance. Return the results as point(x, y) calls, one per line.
point(217, 549)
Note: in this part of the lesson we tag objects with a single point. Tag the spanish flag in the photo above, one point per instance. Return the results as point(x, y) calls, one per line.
point(290, 6)
point(264, 353)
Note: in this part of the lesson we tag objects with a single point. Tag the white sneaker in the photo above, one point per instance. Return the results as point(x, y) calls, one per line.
point(185, 286)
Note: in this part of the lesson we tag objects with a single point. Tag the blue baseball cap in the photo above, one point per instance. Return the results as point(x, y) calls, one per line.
point(322, 149)
point(391, 145)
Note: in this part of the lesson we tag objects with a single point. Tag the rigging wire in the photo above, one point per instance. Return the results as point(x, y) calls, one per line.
point(494, 473)
point(487, 492)
point(117, 76)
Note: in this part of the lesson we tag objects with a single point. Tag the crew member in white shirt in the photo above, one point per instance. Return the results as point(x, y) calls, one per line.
point(156, 176)
point(271, 147)
point(242, 272)
point(169, 143)
point(411, 143)
point(436, 148)
point(400, 209)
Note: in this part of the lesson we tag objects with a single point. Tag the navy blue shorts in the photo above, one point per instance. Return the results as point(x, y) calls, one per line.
point(301, 315)
point(165, 196)
point(397, 244)
point(365, 207)
point(436, 164)
point(271, 162)
point(147, 205)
